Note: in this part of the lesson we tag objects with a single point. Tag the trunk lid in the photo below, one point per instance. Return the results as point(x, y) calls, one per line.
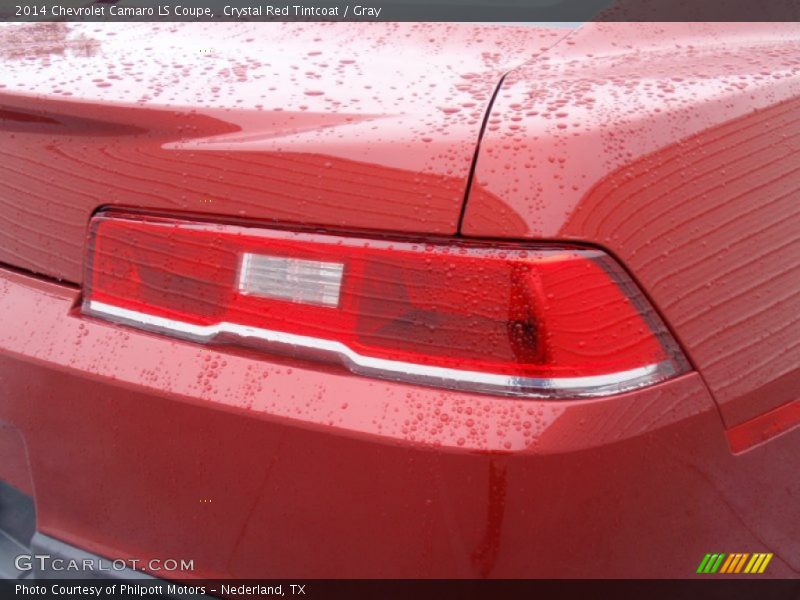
point(355, 126)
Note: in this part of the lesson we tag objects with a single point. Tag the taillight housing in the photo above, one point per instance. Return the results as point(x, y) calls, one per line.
point(540, 320)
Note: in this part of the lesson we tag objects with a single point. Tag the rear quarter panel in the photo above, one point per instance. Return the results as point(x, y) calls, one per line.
point(677, 148)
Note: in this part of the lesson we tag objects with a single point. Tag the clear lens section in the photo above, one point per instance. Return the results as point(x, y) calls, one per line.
point(543, 321)
point(305, 281)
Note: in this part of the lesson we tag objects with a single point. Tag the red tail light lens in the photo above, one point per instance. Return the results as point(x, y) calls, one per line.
point(537, 321)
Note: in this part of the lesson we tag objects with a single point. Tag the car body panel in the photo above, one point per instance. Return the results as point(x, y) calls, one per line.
point(136, 445)
point(676, 148)
point(369, 126)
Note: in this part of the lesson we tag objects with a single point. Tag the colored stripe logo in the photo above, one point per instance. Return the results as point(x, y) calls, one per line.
point(729, 564)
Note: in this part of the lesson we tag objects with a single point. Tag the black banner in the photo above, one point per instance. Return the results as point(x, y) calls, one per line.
point(400, 10)
point(708, 589)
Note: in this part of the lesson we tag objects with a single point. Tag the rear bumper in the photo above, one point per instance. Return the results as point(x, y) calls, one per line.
point(139, 448)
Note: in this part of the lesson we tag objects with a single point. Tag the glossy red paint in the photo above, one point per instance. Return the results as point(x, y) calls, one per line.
point(676, 147)
point(677, 154)
point(369, 126)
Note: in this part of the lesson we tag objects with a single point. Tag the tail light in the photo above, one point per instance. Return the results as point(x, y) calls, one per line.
point(543, 320)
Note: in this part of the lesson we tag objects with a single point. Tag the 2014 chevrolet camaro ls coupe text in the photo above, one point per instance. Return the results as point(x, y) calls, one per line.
point(401, 300)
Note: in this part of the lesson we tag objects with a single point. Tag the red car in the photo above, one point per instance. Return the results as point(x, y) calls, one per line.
point(400, 300)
